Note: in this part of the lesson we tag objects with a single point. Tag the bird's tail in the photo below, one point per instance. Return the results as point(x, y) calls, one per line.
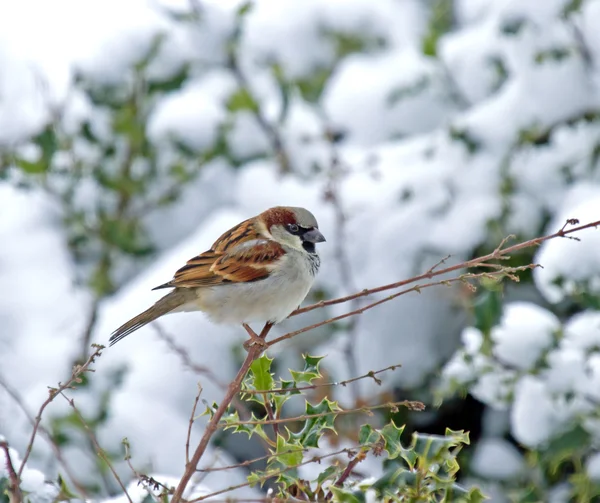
point(168, 303)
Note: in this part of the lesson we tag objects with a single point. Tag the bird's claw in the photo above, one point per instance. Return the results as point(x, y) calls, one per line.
point(255, 341)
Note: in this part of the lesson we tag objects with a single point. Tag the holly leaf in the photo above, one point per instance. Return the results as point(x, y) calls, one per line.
point(314, 427)
point(310, 372)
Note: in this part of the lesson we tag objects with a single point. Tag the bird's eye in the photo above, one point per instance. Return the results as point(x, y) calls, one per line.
point(293, 228)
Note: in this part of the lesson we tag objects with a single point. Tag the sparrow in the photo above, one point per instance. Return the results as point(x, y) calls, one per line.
point(260, 270)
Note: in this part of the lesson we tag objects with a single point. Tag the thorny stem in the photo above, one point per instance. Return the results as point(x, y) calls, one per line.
point(254, 352)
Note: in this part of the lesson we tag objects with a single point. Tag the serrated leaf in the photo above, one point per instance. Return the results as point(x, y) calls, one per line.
point(393, 479)
point(345, 496)
point(314, 427)
point(368, 435)
point(310, 372)
point(280, 398)
point(261, 373)
point(391, 435)
point(327, 474)
point(287, 454)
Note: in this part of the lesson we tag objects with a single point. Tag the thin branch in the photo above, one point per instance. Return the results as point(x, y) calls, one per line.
point(254, 352)
point(270, 131)
point(14, 487)
point(89, 328)
point(409, 404)
point(185, 357)
point(271, 416)
point(371, 374)
point(340, 247)
point(78, 370)
point(416, 288)
point(498, 253)
point(191, 423)
point(47, 435)
point(348, 471)
point(94, 441)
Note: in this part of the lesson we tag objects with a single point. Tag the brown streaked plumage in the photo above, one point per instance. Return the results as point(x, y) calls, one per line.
point(262, 267)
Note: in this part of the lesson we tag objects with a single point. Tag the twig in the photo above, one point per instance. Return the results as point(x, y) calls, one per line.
point(415, 288)
point(270, 131)
point(348, 471)
point(476, 262)
point(185, 357)
point(410, 404)
point(191, 423)
point(78, 370)
point(271, 416)
point(254, 352)
point(14, 487)
point(343, 261)
point(47, 435)
point(371, 374)
point(94, 441)
point(89, 328)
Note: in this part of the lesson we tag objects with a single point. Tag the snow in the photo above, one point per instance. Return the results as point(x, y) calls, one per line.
point(524, 333)
point(583, 265)
point(534, 417)
point(495, 458)
point(32, 481)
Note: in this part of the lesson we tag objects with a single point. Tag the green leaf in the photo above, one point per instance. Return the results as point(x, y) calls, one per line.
point(345, 496)
point(314, 427)
point(393, 479)
point(328, 474)
point(310, 372)
point(368, 435)
point(292, 457)
point(242, 100)
point(391, 434)
point(261, 373)
point(566, 446)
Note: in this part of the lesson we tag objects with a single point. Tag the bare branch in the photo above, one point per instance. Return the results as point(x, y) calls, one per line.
point(14, 486)
point(47, 435)
point(191, 423)
point(94, 441)
point(476, 262)
point(254, 352)
point(78, 370)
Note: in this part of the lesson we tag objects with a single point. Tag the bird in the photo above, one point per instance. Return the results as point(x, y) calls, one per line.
point(258, 271)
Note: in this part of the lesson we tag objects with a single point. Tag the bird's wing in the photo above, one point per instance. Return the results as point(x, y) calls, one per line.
point(239, 256)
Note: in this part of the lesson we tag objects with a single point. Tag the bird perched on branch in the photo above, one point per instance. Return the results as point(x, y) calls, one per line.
point(260, 270)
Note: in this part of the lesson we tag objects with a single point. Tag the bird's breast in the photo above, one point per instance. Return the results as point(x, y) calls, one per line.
point(270, 299)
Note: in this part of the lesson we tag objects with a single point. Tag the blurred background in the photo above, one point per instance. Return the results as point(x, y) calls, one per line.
point(133, 133)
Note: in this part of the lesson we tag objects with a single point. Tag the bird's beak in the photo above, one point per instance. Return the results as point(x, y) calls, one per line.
point(313, 236)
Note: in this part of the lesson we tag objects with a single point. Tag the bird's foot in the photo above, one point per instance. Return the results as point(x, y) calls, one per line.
point(255, 341)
